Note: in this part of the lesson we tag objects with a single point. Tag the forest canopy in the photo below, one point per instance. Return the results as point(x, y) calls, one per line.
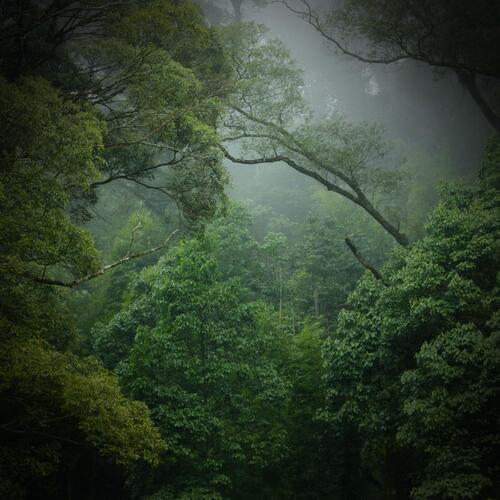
point(217, 285)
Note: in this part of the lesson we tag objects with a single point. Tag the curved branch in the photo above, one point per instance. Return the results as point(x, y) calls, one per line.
point(298, 148)
point(281, 158)
point(130, 176)
point(469, 81)
point(313, 19)
point(466, 73)
point(360, 199)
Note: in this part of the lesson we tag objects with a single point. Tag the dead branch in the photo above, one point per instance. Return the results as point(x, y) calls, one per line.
point(363, 261)
point(104, 269)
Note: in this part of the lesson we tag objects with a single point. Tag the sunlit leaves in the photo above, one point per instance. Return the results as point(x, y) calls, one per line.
point(60, 387)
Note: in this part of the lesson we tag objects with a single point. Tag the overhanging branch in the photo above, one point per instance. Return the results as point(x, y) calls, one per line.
point(469, 81)
point(358, 198)
point(103, 270)
point(466, 73)
point(285, 159)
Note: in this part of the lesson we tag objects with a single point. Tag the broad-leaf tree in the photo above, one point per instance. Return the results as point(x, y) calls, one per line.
point(271, 122)
point(413, 367)
point(201, 354)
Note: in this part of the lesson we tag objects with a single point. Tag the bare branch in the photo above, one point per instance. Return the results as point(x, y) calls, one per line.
point(363, 261)
point(100, 272)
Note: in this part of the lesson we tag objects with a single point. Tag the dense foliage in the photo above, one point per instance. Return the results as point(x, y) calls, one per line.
point(64, 124)
point(413, 367)
point(205, 364)
point(325, 334)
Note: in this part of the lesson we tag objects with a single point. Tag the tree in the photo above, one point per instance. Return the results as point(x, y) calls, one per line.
point(269, 118)
point(201, 357)
point(325, 272)
point(98, 300)
point(58, 407)
point(152, 73)
point(312, 467)
point(460, 37)
point(413, 367)
point(56, 403)
point(42, 170)
point(166, 123)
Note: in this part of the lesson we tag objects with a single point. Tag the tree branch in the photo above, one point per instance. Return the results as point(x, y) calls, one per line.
point(359, 198)
point(469, 81)
point(100, 272)
point(466, 73)
point(285, 159)
point(363, 261)
point(130, 176)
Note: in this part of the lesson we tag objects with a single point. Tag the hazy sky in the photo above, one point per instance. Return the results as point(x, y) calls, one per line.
point(426, 114)
point(408, 99)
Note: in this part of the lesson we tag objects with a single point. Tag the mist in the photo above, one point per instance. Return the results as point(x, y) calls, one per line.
point(420, 108)
point(249, 250)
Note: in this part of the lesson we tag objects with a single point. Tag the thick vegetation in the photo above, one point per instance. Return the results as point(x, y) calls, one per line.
point(159, 340)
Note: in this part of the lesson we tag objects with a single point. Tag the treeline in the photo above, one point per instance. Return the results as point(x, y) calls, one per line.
point(158, 340)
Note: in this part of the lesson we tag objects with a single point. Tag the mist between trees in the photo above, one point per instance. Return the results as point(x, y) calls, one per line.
point(249, 250)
